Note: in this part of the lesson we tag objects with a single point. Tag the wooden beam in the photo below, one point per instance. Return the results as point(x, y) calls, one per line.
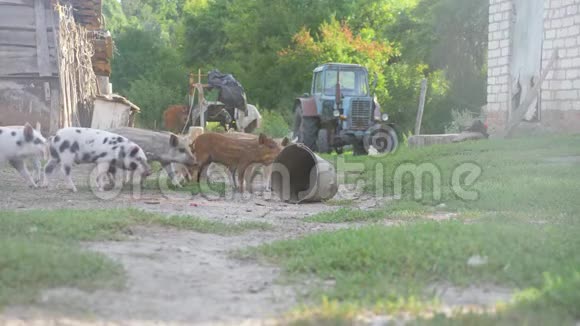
point(519, 113)
point(42, 52)
point(421, 107)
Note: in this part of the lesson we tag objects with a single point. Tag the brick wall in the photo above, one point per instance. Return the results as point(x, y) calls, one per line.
point(498, 62)
point(560, 95)
point(561, 90)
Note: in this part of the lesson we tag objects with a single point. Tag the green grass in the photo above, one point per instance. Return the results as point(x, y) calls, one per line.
point(515, 173)
point(41, 249)
point(393, 211)
point(525, 220)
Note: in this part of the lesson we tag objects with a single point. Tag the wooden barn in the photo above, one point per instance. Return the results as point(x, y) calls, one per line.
point(54, 63)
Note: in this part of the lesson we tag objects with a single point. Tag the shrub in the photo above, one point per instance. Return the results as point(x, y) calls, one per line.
point(273, 124)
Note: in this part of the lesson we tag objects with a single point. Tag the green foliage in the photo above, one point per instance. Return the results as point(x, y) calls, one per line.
point(273, 124)
point(271, 47)
point(148, 72)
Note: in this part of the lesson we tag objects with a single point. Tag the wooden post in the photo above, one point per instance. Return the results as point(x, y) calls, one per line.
point(42, 55)
point(103, 85)
point(421, 107)
point(54, 110)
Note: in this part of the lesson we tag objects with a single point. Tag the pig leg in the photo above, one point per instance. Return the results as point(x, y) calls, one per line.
point(241, 171)
point(19, 165)
point(37, 169)
point(233, 172)
point(48, 170)
point(170, 169)
point(66, 170)
point(268, 176)
point(103, 179)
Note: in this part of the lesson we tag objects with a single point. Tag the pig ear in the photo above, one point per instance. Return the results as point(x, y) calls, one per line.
point(134, 151)
point(262, 139)
point(285, 141)
point(173, 140)
point(28, 132)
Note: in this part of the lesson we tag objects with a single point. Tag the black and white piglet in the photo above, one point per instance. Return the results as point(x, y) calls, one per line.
point(107, 150)
point(19, 143)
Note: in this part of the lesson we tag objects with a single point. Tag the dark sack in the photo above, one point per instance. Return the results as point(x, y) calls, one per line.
point(231, 92)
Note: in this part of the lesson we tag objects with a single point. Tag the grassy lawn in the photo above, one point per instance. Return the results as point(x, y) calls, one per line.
point(41, 249)
point(525, 221)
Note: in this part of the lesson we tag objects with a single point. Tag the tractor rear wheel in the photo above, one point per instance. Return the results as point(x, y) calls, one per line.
point(310, 132)
point(305, 128)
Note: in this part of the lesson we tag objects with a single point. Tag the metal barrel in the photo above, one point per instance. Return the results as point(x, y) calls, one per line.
point(299, 175)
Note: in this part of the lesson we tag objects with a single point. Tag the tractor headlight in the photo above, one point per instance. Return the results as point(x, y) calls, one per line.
point(336, 113)
point(385, 117)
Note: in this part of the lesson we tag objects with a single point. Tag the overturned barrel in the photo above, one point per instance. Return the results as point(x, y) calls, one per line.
point(299, 175)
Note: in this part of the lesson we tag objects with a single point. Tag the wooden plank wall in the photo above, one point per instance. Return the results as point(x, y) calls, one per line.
point(26, 39)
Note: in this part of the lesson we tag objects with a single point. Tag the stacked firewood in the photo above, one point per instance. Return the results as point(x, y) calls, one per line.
point(103, 45)
point(88, 13)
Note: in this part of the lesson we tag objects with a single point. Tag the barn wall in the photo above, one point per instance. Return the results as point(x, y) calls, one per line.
point(28, 100)
point(559, 101)
point(27, 42)
point(29, 84)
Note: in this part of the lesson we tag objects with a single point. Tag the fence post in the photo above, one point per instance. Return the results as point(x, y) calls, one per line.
point(421, 107)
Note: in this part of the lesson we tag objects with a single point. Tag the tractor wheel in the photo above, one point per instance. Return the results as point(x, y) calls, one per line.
point(384, 140)
point(305, 128)
point(298, 123)
point(323, 146)
point(309, 130)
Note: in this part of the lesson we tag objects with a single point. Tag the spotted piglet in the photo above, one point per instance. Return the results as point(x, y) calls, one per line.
point(107, 150)
point(17, 144)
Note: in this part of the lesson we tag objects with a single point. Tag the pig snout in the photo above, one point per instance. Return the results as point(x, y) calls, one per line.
point(147, 170)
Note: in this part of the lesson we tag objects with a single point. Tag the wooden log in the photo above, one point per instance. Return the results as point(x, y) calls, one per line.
point(102, 68)
point(155, 143)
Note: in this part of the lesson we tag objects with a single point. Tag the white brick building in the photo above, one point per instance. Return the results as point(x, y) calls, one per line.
point(523, 35)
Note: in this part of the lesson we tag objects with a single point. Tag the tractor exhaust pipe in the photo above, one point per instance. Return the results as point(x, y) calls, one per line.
point(299, 175)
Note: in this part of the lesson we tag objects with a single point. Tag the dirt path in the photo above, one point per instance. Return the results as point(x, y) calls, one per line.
point(178, 277)
point(173, 276)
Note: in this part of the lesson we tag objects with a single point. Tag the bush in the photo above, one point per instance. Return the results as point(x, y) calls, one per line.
point(273, 124)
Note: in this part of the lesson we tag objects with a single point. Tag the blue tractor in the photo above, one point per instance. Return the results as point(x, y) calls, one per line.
point(342, 110)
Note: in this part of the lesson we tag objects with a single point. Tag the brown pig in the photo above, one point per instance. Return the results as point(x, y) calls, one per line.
point(267, 168)
point(236, 153)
